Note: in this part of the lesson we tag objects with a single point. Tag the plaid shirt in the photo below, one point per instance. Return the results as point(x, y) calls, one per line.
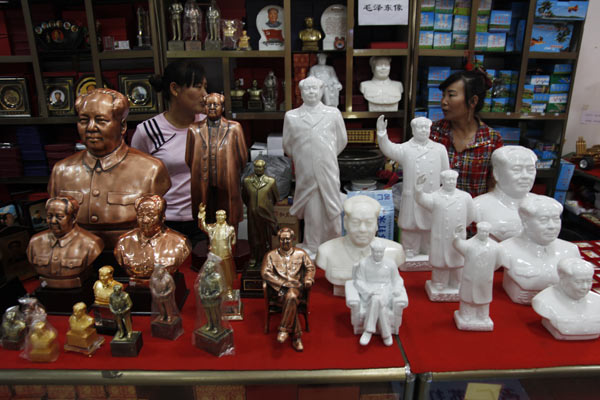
point(474, 163)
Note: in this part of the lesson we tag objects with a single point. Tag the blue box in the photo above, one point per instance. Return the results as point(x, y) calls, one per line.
point(496, 41)
point(435, 113)
point(564, 176)
point(560, 196)
point(481, 41)
point(427, 5)
point(500, 104)
point(482, 23)
point(554, 78)
point(562, 68)
point(444, 6)
point(461, 24)
point(526, 105)
point(528, 91)
point(538, 107)
point(442, 40)
point(560, 87)
point(386, 215)
point(551, 38)
point(427, 19)
point(487, 105)
point(538, 80)
point(500, 21)
point(485, 6)
point(508, 132)
point(420, 114)
point(510, 43)
point(462, 7)
point(561, 10)
point(460, 41)
point(434, 96)
point(540, 97)
point(437, 75)
point(426, 39)
point(442, 23)
point(520, 37)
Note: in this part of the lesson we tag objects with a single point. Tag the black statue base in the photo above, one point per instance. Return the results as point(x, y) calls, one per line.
point(104, 320)
point(11, 291)
point(241, 255)
point(214, 344)
point(142, 298)
point(127, 348)
point(167, 330)
point(61, 301)
point(14, 344)
point(251, 283)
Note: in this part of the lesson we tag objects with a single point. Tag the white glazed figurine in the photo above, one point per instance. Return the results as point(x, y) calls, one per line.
point(376, 296)
point(482, 257)
point(569, 310)
point(337, 256)
point(332, 86)
point(382, 93)
point(532, 256)
point(313, 136)
point(418, 156)
point(450, 207)
point(514, 171)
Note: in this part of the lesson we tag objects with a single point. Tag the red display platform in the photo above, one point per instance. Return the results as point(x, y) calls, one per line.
point(330, 344)
point(519, 341)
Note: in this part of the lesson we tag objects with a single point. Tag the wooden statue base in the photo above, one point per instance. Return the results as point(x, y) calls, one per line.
point(142, 298)
point(88, 351)
point(104, 320)
point(175, 45)
point(167, 330)
point(212, 45)
point(214, 344)
point(127, 348)
point(193, 45)
point(60, 301)
point(251, 283)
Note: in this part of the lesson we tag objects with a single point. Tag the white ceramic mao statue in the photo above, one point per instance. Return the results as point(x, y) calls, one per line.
point(382, 93)
point(313, 136)
point(450, 207)
point(569, 310)
point(514, 171)
point(338, 256)
point(332, 86)
point(532, 256)
point(418, 156)
point(376, 296)
point(482, 257)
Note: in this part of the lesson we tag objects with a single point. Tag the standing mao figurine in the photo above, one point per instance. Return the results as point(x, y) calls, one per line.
point(167, 323)
point(482, 257)
point(417, 156)
point(82, 336)
point(213, 27)
point(331, 83)
point(450, 207)
point(289, 271)
point(216, 153)
point(269, 92)
point(176, 9)
point(13, 329)
point(126, 342)
point(313, 136)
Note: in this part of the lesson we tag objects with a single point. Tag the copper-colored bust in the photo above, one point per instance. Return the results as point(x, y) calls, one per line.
point(108, 176)
point(42, 343)
point(216, 153)
point(103, 287)
point(138, 250)
point(63, 254)
point(82, 335)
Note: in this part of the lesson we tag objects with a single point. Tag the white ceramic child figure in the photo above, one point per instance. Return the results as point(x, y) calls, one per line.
point(313, 136)
point(376, 296)
point(449, 207)
point(569, 310)
point(514, 171)
point(338, 256)
point(326, 73)
point(532, 256)
point(382, 93)
point(418, 156)
point(482, 258)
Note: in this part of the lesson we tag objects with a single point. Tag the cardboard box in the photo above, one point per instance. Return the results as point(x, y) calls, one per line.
point(435, 113)
point(482, 23)
point(444, 6)
point(551, 38)
point(462, 7)
point(561, 10)
point(386, 215)
point(461, 24)
point(557, 102)
point(285, 219)
point(275, 144)
point(442, 40)
point(460, 41)
point(437, 75)
point(427, 20)
point(564, 176)
point(485, 6)
point(500, 21)
point(481, 41)
point(496, 41)
point(442, 23)
point(427, 5)
point(426, 39)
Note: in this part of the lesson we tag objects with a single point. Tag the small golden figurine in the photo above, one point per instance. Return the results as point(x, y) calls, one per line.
point(42, 343)
point(126, 342)
point(14, 329)
point(310, 37)
point(103, 287)
point(82, 336)
point(255, 100)
point(167, 323)
point(244, 42)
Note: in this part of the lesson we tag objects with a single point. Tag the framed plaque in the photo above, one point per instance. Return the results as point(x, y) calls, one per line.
point(14, 101)
point(270, 25)
point(85, 84)
point(137, 88)
point(59, 95)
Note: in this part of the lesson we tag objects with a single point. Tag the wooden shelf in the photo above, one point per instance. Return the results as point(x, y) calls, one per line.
point(529, 116)
point(15, 59)
point(375, 114)
point(245, 115)
point(124, 54)
point(226, 54)
point(553, 56)
point(440, 53)
point(380, 52)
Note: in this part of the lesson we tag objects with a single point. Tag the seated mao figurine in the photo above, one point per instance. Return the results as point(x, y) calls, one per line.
point(532, 256)
point(376, 296)
point(337, 256)
point(569, 310)
point(382, 93)
point(108, 176)
point(14, 329)
point(151, 243)
point(82, 336)
point(63, 254)
point(42, 343)
point(514, 171)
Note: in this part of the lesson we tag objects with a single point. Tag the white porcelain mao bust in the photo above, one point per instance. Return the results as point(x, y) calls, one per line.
point(376, 296)
point(331, 84)
point(418, 156)
point(382, 93)
point(514, 171)
point(482, 257)
point(532, 256)
point(338, 256)
point(569, 310)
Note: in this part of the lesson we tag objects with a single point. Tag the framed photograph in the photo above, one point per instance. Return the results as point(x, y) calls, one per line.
point(35, 214)
point(59, 95)
point(137, 88)
point(14, 101)
point(9, 215)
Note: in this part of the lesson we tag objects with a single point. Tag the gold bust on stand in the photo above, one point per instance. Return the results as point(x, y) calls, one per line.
point(237, 96)
point(103, 288)
point(255, 101)
point(13, 329)
point(82, 336)
point(310, 37)
point(42, 343)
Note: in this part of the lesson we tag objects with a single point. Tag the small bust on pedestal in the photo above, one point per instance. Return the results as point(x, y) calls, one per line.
point(309, 36)
point(14, 329)
point(382, 93)
point(42, 342)
point(82, 336)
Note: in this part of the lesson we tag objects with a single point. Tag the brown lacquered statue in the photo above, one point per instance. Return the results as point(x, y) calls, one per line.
point(108, 176)
point(42, 343)
point(259, 193)
point(103, 287)
point(82, 336)
point(13, 329)
point(289, 271)
point(152, 243)
point(63, 254)
point(216, 153)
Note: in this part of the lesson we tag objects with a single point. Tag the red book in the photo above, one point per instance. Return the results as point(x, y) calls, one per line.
point(388, 45)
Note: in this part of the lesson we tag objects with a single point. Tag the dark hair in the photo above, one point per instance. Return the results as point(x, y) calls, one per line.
point(475, 84)
point(182, 72)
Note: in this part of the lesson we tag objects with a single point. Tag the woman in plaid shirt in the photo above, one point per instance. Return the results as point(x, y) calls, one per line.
point(469, 141)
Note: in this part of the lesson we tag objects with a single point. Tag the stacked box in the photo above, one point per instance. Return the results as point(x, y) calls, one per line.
point(561, 10)
point(442, 40)
point(426, 39)
point(427, 20)
point(462, 7)
point(509, 134)
point(461, 24)
point(434, 97)
point(485, 7)
point(551, 38)
point(496, 42)
point(427, 5)
point(482, 23)
point(444, 6)
point(438, 27)
point(437, 75)
point(442, 22)
point(500, 21)
point(481, 41)
point(435, 113)
point(548, 93)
